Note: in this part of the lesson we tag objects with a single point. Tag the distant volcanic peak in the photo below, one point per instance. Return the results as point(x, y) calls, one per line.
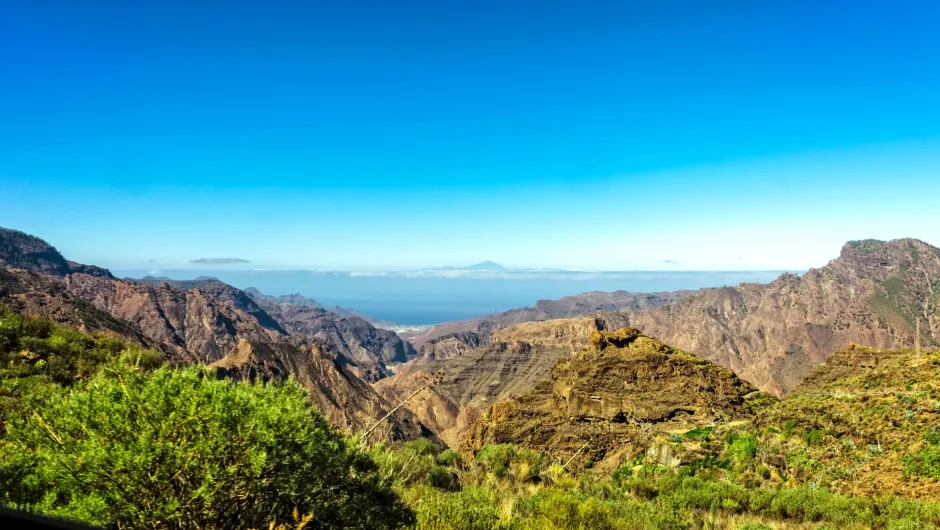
point(486, 266)
point(219, 261)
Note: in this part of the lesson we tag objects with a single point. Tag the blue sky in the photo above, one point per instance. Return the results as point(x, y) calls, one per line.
point(385, 135)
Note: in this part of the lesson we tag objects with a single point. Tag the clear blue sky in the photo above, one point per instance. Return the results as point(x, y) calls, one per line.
point(592, 135)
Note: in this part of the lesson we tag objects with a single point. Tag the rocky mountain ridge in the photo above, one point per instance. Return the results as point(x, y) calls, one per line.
point(882, 294)
point(371, 351)
point(202, 321)
point(580, 305)
point(301, 300)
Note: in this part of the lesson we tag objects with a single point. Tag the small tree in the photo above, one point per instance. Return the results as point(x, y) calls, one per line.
point(180, 449)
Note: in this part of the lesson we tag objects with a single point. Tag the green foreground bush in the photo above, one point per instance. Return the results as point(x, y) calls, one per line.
point(180, 449)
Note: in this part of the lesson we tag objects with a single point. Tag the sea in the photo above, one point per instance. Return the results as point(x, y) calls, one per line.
point(426, 298)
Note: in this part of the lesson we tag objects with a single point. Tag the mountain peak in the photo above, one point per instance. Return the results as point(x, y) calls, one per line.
point(486, 266)
point(875, 258)
point(876, 246)
point(19, 250)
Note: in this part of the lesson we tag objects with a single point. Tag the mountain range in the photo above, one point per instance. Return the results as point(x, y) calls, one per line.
point(210, 322)
point(772, 336)
point(881, 294)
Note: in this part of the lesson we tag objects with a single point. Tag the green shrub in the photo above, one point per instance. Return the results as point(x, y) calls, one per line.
point(35, 352)
point(511, 461)
point(924, 463)
point(181, 449)
point(699, 433)
point(418, 462)
point(472, 508)
point(741, 446)
point(933, 435)
point(814, 437)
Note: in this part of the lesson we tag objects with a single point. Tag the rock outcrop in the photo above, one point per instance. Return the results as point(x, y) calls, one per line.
point(451, 345)
point(607, 402)
point(566, 333)
point(19, 250)
point(202, 324)
point(478, 370)
point(32, 293)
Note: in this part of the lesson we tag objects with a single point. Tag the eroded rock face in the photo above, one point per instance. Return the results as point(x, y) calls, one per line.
point(202, 327)
point(567, 333)
point(371, 351)
point(469, 384)
point(452, 345)
point(19, 250)
point(32, 293)
point(479, 370)
point(876, 293)
point(346, 400)
point(612, 397)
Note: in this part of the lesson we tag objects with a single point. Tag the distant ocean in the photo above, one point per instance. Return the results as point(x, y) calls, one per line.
point(428, 299)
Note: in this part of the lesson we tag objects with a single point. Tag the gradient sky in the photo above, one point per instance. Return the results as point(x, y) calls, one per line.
point(592, 135)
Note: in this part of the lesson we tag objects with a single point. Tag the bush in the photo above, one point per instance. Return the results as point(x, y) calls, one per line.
point(924, 463)
point(35, 352)
point(511, 461)
point(742, 447)
point(472, 508)
point(814, 437)
point(180, 449)
point(699, 433)
point(418, 462)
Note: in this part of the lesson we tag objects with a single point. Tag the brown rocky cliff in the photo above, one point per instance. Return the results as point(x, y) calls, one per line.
point(346, 400)
point(451, 345)
point(371, 351)
point(480, 370)
point(773, 335)
point(31, 293)
point(203, 328)
point(471, 383)
point(569, 333)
